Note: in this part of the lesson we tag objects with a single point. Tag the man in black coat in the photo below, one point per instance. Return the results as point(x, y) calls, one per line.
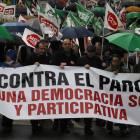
point(89, 60)
point(64, 57)
point(37, 58)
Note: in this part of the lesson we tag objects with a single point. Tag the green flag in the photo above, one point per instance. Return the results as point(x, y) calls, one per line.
point(71, 20)
point(93, 23)
point(133, 26)
point(59, 12)
point(99, 24)
point(84, 15)
point(42, 11)
point(28, 3)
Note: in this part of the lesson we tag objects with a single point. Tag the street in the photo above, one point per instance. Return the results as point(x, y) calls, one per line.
point(22, 131)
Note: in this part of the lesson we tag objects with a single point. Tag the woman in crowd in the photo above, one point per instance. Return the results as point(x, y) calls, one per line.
point(9, 63)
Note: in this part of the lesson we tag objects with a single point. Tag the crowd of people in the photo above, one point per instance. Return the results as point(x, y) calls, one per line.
point(107, 57)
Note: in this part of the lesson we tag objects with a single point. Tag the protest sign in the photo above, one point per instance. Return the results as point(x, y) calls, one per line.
point(31, 38)
point(111, 21)
point(47, 92)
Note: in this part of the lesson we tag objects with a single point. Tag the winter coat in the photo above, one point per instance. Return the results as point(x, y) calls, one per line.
point(60, 58)
point(34, 57)
point(136, 68)
point(92, 62)
point(111, 69)
point(16, 64)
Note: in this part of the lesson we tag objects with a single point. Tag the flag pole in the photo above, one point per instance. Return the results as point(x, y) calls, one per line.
point(102, 43)
point(127, 59)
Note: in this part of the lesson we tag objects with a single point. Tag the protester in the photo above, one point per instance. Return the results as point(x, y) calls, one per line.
point(106, 58)
point(37, 58)
point(116, 68)
point(76, 48)
point(133, 59)
point(47, 49)
point(98, 49)
point(9, 63)
point(10, 59)
point(89, 60)
point(64, 57)
point(136, 68)
point(124, 62)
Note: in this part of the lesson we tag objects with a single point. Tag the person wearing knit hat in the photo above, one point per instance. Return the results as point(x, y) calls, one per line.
point(106, 58)
point(11, 56)
point(10, 62)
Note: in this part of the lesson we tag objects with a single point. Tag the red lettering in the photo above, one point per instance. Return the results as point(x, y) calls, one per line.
point(77, 91)
point(12, 97)
point(114, 113)
point(103, 96)
point(88, 94)
point(51, 107)
point(81, 107)
point(131, 98)
point(44, 94)
point(96, 96)
point(60, 107)
point(97, 109)
point(35, 95)
point(123, 114)
point(2, 95)
point(111, 99)
point(104, 110)
point(31, 107)
point(88, 106)
point(109, 112)
point(21, 97)
point(41, 109)
point(66, 108)
point(118, 100)
point(68, 93)
point(58, 95)
point(18, 108)
point(72, 108)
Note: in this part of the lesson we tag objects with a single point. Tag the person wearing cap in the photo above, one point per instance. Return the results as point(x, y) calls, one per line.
point(106, 58)
point(89, 60)
point(10, 62)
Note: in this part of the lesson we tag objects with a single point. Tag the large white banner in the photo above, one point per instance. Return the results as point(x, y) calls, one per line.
point(46, 92)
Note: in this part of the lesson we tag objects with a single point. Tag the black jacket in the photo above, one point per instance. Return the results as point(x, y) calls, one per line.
point(36, 58)
point(93, 62)
point(61, 58)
